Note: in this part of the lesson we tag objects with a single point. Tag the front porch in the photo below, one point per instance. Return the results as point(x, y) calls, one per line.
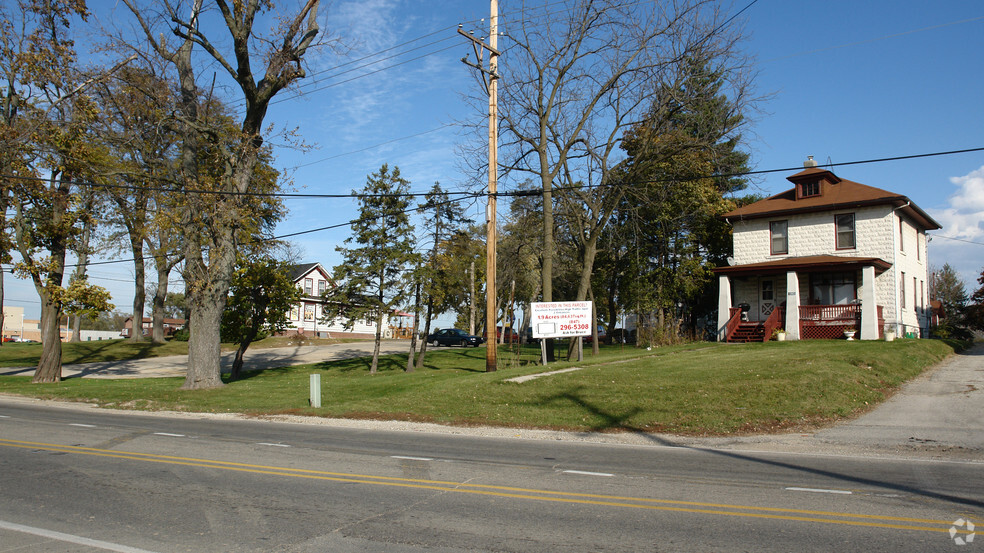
point(816, 322)
point(810, 298)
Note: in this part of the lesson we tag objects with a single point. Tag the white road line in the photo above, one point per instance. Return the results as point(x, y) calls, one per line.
point(817, 490)
point(79, 540)
point(586, 473)
point(411, 458)
point(82, 425)
point(4, 416)
point(168, 434)
point(272, 445)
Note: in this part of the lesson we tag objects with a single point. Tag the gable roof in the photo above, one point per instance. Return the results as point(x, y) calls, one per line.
point(837, 194)
point(301, 270)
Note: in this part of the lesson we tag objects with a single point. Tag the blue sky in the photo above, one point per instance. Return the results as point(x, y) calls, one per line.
point(847, 81)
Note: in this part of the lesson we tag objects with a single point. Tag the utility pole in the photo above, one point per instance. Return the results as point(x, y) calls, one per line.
point(490, 78)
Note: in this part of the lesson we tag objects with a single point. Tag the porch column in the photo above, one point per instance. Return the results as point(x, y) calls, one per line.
point(869, 309)
point(792, 306)
point(724, 306)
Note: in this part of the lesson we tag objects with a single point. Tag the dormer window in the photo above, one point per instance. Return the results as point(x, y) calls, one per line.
point(809, 189)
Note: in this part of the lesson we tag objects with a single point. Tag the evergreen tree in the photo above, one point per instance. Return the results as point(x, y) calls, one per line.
point(372, 276)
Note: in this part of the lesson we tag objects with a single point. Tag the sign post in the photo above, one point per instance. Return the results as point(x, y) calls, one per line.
point(561, 319)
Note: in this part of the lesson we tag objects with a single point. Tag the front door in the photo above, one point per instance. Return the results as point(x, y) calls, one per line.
point(767, 299)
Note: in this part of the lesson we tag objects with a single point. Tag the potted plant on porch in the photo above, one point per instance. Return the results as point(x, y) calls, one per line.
point(779, 334)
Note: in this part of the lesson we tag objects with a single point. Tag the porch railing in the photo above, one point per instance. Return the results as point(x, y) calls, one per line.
point(734, 320)
point(773, 322)
point(828, 322)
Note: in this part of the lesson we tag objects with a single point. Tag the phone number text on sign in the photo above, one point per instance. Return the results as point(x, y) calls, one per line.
point(561, 319)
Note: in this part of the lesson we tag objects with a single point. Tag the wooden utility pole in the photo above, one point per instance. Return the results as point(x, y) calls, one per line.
point(490, 78)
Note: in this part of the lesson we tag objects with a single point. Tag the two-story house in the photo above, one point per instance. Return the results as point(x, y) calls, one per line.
point(306, 317)
point(826, 256)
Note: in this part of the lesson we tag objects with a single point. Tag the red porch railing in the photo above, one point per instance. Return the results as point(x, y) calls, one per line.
point(733, 321)
point(773, 322)
point(828, 322)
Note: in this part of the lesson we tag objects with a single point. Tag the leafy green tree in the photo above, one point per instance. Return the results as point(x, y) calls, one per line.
point(975, 311)
point(667, 237)
point(372, 276)
point(443, 217)
point(260, 298)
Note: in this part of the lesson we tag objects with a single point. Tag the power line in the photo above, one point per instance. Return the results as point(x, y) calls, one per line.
point(369, 147)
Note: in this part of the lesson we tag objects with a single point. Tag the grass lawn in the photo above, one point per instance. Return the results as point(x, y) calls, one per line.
point(696, 389)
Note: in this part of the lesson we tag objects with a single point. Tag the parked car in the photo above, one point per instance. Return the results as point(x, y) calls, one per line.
point(453, 337)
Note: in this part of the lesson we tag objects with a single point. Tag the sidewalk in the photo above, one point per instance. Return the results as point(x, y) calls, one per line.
point(268, 358)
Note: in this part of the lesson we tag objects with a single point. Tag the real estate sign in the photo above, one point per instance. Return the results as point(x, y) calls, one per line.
point(561, 319)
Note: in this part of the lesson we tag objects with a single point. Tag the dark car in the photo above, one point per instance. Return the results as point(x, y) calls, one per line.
point(453, 337)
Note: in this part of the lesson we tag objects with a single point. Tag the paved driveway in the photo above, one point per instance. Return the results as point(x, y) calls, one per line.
point(254, 359)
point(942, 409)
point(940, 414)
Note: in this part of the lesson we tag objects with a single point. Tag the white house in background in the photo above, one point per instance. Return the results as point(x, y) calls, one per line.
point(825, 256)
point(305, 317)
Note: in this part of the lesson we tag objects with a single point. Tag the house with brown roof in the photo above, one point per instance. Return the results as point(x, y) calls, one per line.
point(829, 255)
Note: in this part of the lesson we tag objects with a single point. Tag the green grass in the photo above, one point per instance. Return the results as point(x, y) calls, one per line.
point(695, 389)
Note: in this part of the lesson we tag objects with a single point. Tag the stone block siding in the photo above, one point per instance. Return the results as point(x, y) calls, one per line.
point(876, 235)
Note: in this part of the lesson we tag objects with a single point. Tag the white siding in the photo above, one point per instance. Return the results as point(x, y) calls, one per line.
point(876, 235)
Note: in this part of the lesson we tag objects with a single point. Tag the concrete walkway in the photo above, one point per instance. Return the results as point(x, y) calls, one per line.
point(254, 359)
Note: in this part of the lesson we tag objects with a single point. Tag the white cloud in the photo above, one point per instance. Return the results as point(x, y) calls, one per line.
point(959, 242)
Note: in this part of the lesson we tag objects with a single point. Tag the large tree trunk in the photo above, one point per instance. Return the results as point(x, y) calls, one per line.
point(139, 290)
point(204, 347)
point(49, 366)
point(160, 297)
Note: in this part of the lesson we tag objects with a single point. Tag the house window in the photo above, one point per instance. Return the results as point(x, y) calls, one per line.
point(844, 224)
point(308, 311)
point(808, 189)
point(902, 291)
point(901, 235)
point(308, 287)
point(767, 292)
point(922, 295)
point(321, 287)
point(778, 231)
point(833, 288)
point(915, 291)
point(294, 313)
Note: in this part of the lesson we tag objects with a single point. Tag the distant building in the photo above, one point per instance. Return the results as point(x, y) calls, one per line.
point(147, 326)
point(305, 317)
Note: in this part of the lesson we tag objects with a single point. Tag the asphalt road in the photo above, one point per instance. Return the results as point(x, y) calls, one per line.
point(150, 483)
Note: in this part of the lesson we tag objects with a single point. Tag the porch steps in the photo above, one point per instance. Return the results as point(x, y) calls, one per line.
point(748, 332)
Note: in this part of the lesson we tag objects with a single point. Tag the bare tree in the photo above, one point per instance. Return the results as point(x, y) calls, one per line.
point(574, 80)
point(211, 221)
